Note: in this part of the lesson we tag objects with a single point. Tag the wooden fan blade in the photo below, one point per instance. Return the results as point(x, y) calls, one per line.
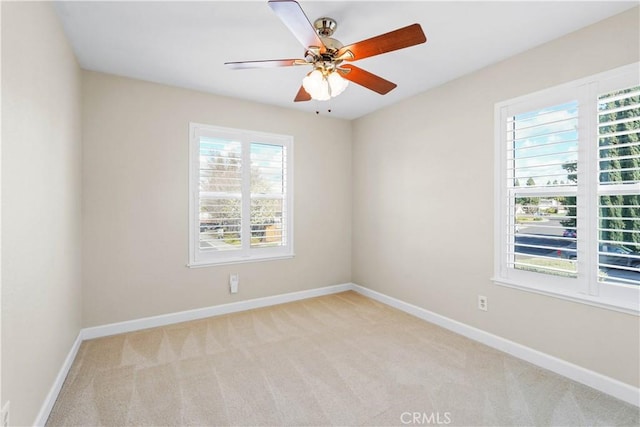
point(388, 42)
point(366, 79)
point(302, 95)
point(292, 15)
point(269, 63)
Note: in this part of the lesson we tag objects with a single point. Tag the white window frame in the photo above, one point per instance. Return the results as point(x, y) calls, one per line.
point(204, 258)
point(585, 288)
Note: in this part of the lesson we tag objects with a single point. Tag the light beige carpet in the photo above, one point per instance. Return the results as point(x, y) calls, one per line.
point(342, 359)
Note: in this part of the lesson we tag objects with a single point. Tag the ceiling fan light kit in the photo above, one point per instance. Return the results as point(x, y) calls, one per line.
point(323, 85)
point(329, 78)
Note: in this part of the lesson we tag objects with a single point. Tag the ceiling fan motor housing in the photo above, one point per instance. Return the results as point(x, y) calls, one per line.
point(331, 44)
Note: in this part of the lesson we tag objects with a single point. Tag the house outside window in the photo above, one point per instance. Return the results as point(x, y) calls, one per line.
point(240, 186)
point(568, 191)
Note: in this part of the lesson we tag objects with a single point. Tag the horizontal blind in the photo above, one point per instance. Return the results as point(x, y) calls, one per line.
point(542, 173)
point(619, 186)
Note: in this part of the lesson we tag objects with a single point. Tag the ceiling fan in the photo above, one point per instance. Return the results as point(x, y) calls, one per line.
point(330, 75)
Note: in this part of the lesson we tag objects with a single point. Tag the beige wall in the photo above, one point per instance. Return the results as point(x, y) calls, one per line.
point(423, 184)
point(41, 216)
point(135, 178)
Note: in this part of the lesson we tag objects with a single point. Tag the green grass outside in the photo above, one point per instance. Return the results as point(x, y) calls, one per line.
point(522, 219)
point(542, 265)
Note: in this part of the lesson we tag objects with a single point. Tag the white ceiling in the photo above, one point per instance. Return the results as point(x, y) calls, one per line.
point(186, 43)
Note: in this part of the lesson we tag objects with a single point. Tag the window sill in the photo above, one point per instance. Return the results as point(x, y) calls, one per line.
point(600, 302)
point(229, 261)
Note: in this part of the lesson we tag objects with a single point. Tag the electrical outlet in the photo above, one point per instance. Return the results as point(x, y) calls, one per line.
point(233, 283)
point(4, 415)
point(482, 303)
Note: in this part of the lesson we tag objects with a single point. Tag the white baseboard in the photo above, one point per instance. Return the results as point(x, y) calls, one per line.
point(577, 373)
point(201, 313)
point(50, 400)
point(600, 382)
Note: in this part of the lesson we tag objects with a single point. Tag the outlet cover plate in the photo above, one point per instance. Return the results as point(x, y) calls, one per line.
point(482, 303)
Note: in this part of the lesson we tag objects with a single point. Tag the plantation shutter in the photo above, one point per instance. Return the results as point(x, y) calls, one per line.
point(220, 194)
point(268, 184)
point(241, 198)
point(619, 186)
point(542, 173)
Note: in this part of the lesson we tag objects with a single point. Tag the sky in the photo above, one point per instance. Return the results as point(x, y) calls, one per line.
point(545, 139)
point(266, 159)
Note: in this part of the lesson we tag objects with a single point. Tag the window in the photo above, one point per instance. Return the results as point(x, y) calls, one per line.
point(568, 191)
point(240, 186)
